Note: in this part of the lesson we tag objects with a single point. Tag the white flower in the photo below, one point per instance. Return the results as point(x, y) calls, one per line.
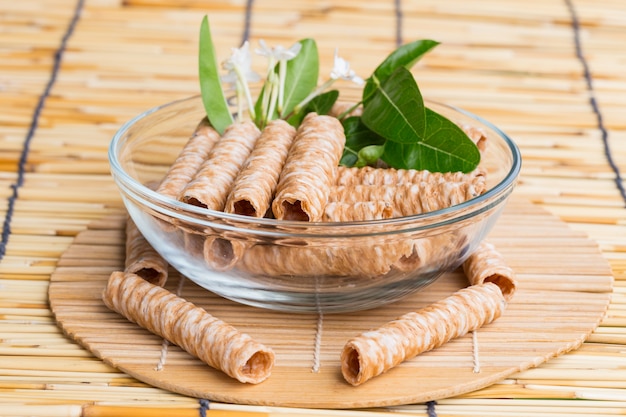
point(341, 69)
point(279, 53)
point(239, 65)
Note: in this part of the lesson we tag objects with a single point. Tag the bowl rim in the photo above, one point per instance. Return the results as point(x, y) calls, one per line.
point(428, 220)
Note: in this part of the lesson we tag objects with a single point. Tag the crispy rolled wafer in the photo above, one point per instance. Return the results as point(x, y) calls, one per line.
point(477, 135)
point(376, 351)
point(211, 340)
point(440, 250)
point(362, 210)
point(422, 251)
point(409, 199)
point(188, 162)
point(310, 169)
point(255, 184)
point(141, 258)
point(222, 253)
point(366, 260)
point(486, 264)
point(211, 184)
point(390, 176)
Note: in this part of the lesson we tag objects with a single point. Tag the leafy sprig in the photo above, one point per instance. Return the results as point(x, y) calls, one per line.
point(395, 126)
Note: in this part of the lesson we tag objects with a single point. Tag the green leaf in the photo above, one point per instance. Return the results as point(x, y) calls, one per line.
point(444, 148)
point(405, 56)
point(302, 76)
point(321, 104)
point(213, 98)
point(396, 109)
point(358, 137)
point(401, 155)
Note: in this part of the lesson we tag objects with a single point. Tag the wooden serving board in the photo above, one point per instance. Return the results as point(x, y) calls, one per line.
point(564, 290)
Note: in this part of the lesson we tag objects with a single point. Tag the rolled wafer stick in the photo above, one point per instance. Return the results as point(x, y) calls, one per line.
point(361, 210)
point(477, 135)
point(391, 176)
point(409, 199)
point(211, 184)
point(188, 162)
point(141, 258)
point(366, 260)
point(422, 252)
point(310, 169)
point(221, 252)
point(486, 264)
point(375, 352)
point(254, 186)
point(191, 328)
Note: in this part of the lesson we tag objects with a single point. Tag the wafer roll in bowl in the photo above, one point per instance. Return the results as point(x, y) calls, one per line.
point(310, 169)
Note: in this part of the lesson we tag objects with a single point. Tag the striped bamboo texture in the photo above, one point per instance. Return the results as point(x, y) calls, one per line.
point(563, 294)
point(513, 63)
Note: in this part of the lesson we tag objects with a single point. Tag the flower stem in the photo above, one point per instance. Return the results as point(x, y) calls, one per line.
point(319, 90)
point(274, 96)
point(349, 110)
point(240, 99)
point(282, 74)
point(243, 85)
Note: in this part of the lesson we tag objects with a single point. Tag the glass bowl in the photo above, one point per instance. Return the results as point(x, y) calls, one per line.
point(299, 266)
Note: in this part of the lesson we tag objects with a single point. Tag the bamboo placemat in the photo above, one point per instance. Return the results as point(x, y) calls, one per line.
point(563, 294)
point(513, 63)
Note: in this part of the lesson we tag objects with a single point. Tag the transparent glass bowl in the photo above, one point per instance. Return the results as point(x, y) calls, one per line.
point(299, 266)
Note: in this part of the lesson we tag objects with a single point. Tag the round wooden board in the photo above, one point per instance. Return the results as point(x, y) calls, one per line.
point(564, 291)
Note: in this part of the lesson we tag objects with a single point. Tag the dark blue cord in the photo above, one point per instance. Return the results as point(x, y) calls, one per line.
point(21, 167)
point(399, 17)
point(430, 408)
point(205, 405)
point(592, 99)
point(247, 21)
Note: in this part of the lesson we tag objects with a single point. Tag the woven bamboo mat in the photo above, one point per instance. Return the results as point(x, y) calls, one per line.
point(563, 294)
point(530, 67)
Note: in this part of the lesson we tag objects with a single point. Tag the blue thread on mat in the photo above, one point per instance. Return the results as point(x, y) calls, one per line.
point(430, 408)
point(247, 21)
point(399, 16)
point(21, 167)
point(205, 405)
point(592, 99)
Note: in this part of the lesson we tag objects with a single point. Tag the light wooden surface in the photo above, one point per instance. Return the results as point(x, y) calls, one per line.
point(513, 63)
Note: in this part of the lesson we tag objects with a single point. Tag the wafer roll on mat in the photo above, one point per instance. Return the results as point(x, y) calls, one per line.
point(367, 260)
point(375, 352)
point(210, 186)
point(391, 176)
point(486, 264)
point(188, 162)
point(254, 187)
point(310, 169)
point(191, 328)
point(362, 210)
point(141, 258)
